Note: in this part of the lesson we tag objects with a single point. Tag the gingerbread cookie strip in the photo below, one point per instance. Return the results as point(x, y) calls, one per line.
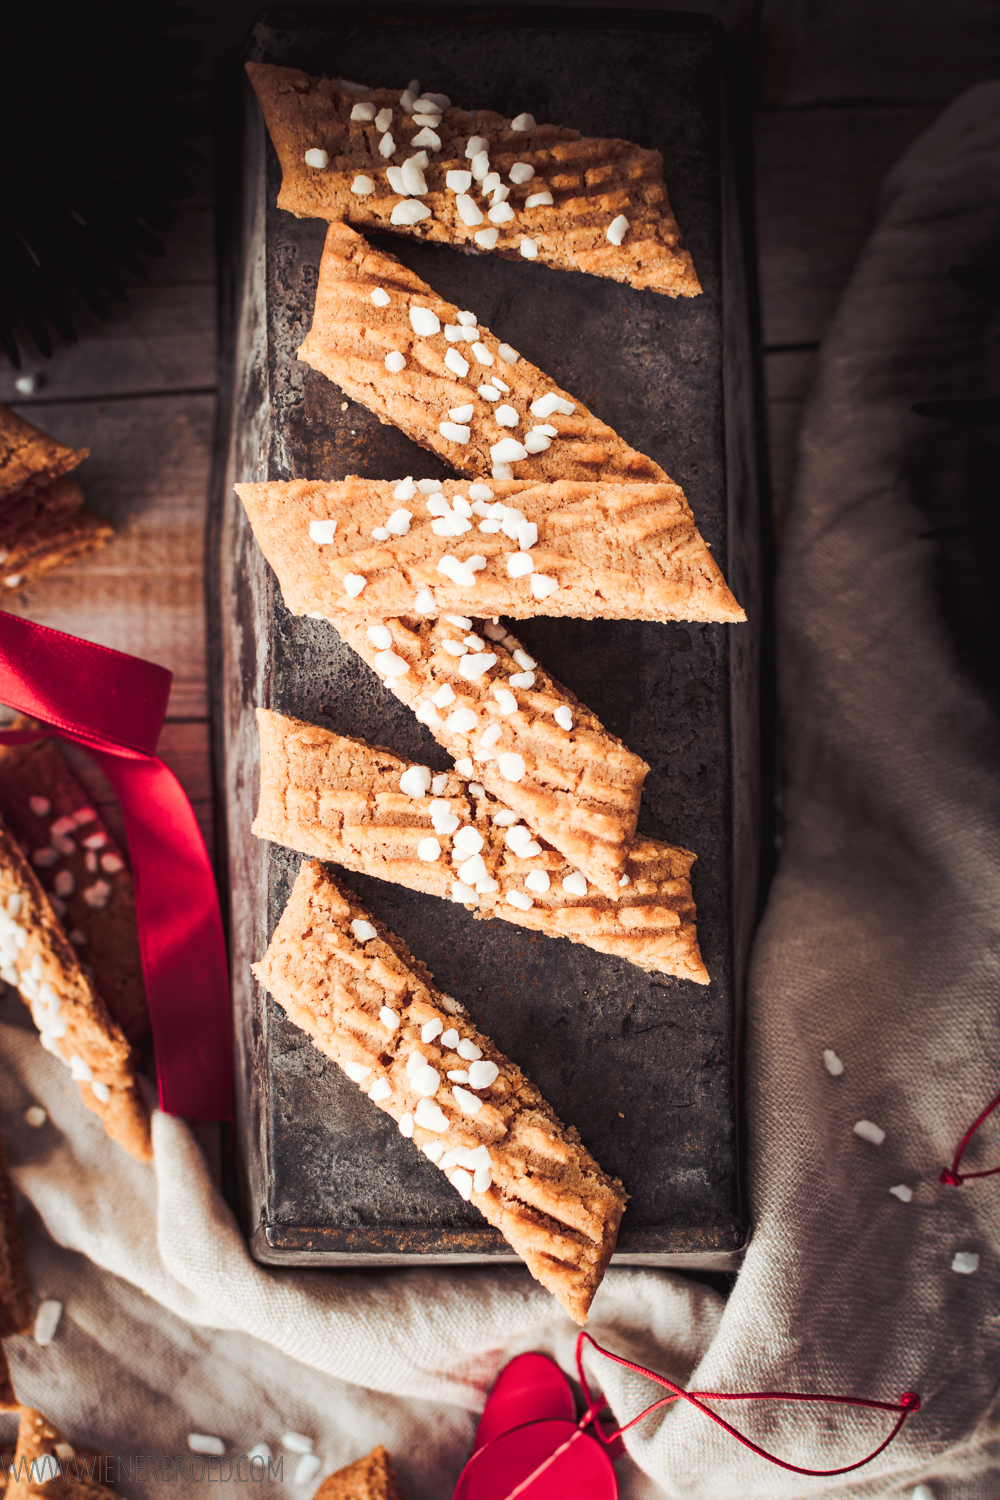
point(385, 159)
point(29, 458)
point(389, 341)
point(46, 1467)
point(364, 1000)
point(510, 726)
point(605, 551)
point(368, 1478)
point(369, 810)
point(37, 959)
point(83, 870)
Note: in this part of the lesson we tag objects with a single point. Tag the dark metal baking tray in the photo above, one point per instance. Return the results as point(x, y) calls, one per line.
point(646, 1067)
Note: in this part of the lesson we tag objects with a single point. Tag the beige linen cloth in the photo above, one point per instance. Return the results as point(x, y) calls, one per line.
point(880, 941)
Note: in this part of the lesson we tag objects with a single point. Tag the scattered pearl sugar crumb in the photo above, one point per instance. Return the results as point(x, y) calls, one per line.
point(869, 1131)
point(902, 1192)
point(35, 1116)
point(923, 1492)
point(261, 1451)
point(832, 1063)
point(965, 1262)
point(203, 1442)
point(47, 1321)
point(307, 1468)
point(296, 1442)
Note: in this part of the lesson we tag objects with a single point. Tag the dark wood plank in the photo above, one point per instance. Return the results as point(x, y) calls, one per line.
point(818, 175)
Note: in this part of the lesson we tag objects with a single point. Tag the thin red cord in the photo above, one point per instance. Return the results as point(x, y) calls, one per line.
point(951, 1176)
point(907, 1403)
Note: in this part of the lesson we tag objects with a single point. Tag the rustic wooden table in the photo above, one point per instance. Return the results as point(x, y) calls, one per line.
point(841, 87)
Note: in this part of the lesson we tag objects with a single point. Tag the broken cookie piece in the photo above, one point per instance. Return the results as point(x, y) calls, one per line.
point(74, 1023)
point(367, 809)
point(356, 990)
point(368, 1478)
point(610, 551)
point(42, 520)
point(388, 159)
point(389, 341)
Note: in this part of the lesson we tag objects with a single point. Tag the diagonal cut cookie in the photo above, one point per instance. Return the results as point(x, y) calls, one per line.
point(37, 959)
point(83, 870)
point(378, 159)
point(389, 341)
point(608, 551)
point(46, 1467)
point(513, 728)
point(369, 810)
point(356, 990)
point(29, 458)
point(368, 1478)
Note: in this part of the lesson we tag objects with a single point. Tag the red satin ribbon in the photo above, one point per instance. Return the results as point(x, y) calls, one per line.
point(113, 705)
point(907, 1403)
point(951, 1176)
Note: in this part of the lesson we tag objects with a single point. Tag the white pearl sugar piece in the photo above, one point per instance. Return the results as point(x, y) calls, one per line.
point(965, 1262)
point(490, 182)
point(205, 1442)
point(424, 322)
point(356, 1072)
point(506, 701)
point(386, 145)
point(482, 354)
point(477, 664)
point(47, 1321)
point(623, 880)
point(542, 585)
point(476, 144)
point(519, 564)
point(502, 471)
point(40, 806)
point(462, 721)
point(296, 1442)
point(424, 602)
point(389, 1018)
point(482, 1073)
point(380, 636)
point(414, 180)
point(427, 137)
point(431, 1029)
point(617, 229)
point(489, 393)
point(261, 1451)
point(468, 840)
point(537, 442)
point(307, 1468)
point(522, 679)
point(552, 402)
point(538, 200)
point(100, 1091)
point(491, 736)
point(832, 1063)
point(523, 659)
point(425, 1080)
point(460, 573)
point(433, 1150)
point(415, 781)
point(508, 355)
point(902, 1192)
point(381, 297)
point(537, 881)
point(456, 364)
point(363, 931)
point(483, 1180)
point(467, 1102)
point(529, 249)
point(459, 182)
point(517, 838)
point(501, 213)
point(521, 172)
point(462, 414)
point(409, 211)
point(480, 165)
point(473, 871)
point(523, 122)
point(406, 1123)
point(80, 1070)
point(430, 1116)
point(390, 665)
point(922, 1492)
point(317, 157)
point(429, 850)
point(508, 451)
point(520, 900)
point(353, 584)
point(468, 211)
point(449, 1038)
point(405, 489)
point(464, 767)
point(511, 766)
point(444, 696)
point(35, 1116)
point(394, 362)
point(486, 239)
point(575, 883)
point(454, 648)
point(364, 112)
point(461, 1180)
point(380, 1089)
point(383, 119)
point(440, 783)
point(869, 1131)
point(506, 416)
point(362, 186)
point(462, 621)
point(458, 1075)
point(322, 532)
point(564, 716)
point(455, 432)
point(462, 893)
